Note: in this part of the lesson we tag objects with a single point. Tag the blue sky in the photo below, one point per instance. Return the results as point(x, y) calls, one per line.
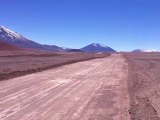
point(120, 24)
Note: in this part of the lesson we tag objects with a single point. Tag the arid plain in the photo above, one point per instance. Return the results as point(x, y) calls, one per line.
point(121, 86)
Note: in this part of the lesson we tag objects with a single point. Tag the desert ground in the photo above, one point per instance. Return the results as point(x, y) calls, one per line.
point(89, 90)
point(144, 85)
point(120, 86)
point(16, 63)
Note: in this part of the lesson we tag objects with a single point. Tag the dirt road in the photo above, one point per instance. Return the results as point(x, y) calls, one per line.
point(89, 90)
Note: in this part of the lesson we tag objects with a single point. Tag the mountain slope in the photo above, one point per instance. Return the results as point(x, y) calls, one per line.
point(10, 35)
point(8, 47)
point(96, 47)
point(137, 51)
point(15, 38)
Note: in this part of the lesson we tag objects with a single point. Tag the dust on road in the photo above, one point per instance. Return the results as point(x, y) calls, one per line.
point(90, 90)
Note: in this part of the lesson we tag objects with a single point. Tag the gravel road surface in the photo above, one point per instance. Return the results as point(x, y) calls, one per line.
point(90, 90)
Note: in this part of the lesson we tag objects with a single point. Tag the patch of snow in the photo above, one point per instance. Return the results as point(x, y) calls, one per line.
point(151, 51)
point(65, 48)
point(99, 45)
point(2, 36)
point(11, 34)
point(103, 45)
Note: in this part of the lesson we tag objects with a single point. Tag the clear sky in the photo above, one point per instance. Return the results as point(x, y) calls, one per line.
point(120, 24)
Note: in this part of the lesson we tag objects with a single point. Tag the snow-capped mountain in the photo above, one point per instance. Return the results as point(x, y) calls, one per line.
point(137, 51)
point(7, 34)
point(96, 47)
point(12, 37)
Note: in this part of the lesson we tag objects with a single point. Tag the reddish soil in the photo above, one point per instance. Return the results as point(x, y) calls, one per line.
point(99, 89)
point(15, 63)
point(144, 85)
point(90, 90)
point(7, 47)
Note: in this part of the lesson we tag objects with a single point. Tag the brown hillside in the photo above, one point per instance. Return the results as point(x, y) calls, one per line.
point(8, 47)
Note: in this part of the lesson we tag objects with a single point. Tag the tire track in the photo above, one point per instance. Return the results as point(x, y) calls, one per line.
point(71, 92)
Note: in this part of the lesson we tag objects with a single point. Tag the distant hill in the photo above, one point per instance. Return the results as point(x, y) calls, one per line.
point(137, 51)
point(74, 50)
point(14, 38)
point(8, 47)
point(96, 47)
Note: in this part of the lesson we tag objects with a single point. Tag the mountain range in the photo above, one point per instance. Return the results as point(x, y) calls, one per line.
point(15, 39)
point(96, 47)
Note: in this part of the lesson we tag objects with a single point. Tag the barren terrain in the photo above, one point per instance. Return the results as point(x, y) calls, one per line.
point(144, 85)
point(89, 90)
point(118, 87)
point(15, 63)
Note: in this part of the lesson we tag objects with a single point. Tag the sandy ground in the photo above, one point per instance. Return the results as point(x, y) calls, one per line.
point(15, 64)
point(90, 90)
point(144, 86)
